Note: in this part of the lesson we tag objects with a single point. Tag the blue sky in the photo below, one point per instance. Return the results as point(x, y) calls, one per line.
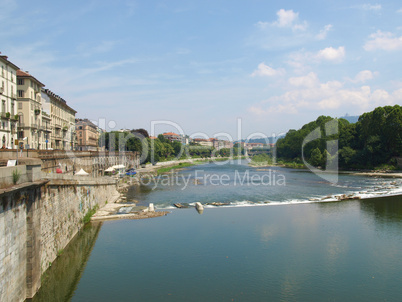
point(205, 64)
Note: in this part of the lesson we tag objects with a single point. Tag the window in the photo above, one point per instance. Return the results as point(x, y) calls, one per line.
point(19, 105)
point(20, 82)
point(20, 93)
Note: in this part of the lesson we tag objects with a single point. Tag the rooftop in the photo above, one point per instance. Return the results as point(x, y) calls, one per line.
point(5, 59)
point(25, 74)
point(170, 134)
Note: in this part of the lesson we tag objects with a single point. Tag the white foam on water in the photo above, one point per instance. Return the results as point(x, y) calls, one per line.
point(391, 188)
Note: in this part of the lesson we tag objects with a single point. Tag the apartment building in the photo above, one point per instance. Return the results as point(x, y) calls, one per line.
point(62, 121)
point(8, 99)
point(87, 135)
point(173, 137)
point(204, 142)
point(29, 110)
point(221, 144)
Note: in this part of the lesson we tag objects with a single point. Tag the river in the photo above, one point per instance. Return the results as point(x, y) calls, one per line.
point(270, 242)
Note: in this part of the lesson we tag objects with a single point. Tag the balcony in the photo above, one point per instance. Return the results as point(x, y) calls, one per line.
point(37, 111)
point(34, 126)
point(13, 96)
point(57, 136)
point(21, 125)
point(57, 126)
point(5, 115)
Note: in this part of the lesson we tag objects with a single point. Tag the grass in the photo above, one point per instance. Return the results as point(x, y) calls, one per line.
point(179, 166)
point(16, 176)
point(89, 214)
point(261, 160)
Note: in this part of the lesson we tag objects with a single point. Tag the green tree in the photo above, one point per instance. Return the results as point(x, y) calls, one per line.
point(316, 157)
point(162, 138)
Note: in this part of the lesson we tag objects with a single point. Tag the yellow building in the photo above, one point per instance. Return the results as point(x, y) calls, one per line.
point(62, 121)
point(8, 97)
point(29, 110)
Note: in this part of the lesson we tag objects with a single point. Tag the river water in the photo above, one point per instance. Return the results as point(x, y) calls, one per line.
point(269, 243)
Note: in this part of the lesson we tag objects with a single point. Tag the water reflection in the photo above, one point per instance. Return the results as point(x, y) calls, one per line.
point(384, 210)
point(60, 280)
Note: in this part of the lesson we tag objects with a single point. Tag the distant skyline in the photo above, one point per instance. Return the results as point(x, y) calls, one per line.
point(205, 64)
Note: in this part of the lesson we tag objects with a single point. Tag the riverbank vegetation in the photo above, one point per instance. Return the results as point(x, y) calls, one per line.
point(261, 160)
point(175, 167)
point(89, 214)
point(161, 149)
point(374, 142)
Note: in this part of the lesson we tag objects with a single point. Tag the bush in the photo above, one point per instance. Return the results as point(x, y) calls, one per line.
point(16, 176)
point(89, 214)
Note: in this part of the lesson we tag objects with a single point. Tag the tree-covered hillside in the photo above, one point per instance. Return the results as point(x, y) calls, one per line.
point(375, 140)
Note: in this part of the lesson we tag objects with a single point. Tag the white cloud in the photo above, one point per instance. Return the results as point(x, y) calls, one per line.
point(265, 70)
point(301, 60)
point(331, 54)
point(323, 32)
point(309, 81)
point(364, 76)
point(286, 19)
point(373, 7)
point(399, 11)
point(309, 94)
point(384, 41)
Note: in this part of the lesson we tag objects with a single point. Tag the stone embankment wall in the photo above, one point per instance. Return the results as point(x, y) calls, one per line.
point(37, 220)
point(92, 162)
point(64, 203)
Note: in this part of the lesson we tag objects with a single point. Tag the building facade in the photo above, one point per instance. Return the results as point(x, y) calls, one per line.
point(221, 144)
point(172, 137)
point(8, 99)
point(29, 110)
point(62, 121)
point(204, 142)
point(87, 135)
